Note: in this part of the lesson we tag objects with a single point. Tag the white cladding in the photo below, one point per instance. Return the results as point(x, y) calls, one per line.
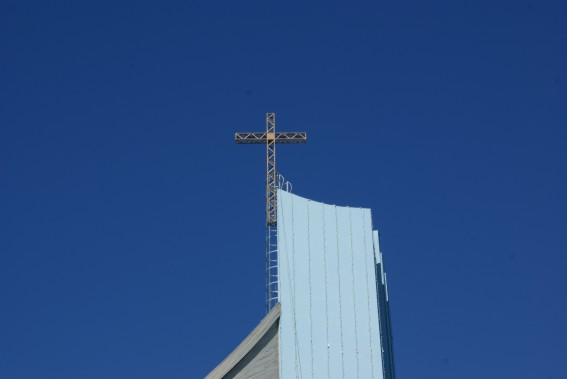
point(329, 324)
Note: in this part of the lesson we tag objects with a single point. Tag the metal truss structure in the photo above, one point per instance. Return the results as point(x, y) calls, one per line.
point(260, 138)
point(270, 138)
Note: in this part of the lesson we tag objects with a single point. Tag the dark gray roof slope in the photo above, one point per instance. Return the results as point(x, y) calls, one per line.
point(257, 356)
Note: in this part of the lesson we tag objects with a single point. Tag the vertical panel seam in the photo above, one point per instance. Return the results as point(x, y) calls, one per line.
point(326, 292)
point(309, 284)
point(298, 372)
point(353, 292)
point(340, 296)
point(378, 300)
point(290, 287)
point(366, 268)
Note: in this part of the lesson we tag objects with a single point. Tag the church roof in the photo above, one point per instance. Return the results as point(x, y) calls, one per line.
point(257, 356)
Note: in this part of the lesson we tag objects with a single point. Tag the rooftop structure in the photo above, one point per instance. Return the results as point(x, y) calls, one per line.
point(326, 289)
point(271, 138)
point(332, 319)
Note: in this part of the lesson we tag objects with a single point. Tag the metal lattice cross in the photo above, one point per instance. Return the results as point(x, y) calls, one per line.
point(271, 138)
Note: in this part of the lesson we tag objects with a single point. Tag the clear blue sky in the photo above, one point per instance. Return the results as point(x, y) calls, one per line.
point(132, 227)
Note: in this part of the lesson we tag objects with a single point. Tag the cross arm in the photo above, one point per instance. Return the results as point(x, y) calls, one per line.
point(261, 138)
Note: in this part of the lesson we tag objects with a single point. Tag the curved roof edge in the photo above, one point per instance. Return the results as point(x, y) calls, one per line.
point(247, 345)
point(322, 203)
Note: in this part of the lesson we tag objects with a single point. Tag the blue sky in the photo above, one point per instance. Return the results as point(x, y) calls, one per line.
point(132, 227)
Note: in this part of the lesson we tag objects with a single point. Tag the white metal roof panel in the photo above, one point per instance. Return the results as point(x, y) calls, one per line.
point(329, 324)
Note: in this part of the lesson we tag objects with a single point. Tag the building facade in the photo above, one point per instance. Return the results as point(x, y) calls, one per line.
point(333, 318)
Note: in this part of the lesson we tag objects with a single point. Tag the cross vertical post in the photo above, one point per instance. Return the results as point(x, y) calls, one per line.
point(271, 175)
point(271, 138)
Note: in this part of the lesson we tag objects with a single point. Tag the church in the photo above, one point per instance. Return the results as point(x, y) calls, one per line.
point(332, 317)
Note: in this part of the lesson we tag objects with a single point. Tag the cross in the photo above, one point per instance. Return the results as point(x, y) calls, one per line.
point(271, 138)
